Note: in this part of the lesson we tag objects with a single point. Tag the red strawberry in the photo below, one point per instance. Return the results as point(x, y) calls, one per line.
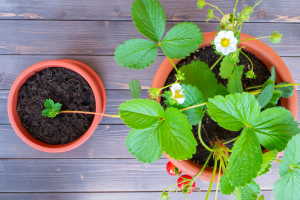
point(183, 187)
point(172, 169)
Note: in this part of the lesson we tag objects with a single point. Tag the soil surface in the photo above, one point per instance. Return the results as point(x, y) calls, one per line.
point(210, 130)
point(63, 86)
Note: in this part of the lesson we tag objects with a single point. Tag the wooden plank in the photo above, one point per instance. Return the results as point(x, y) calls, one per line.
point(114, 99)
point(95, 175)
point(102, 37)
point(100, 145)
point(113, 196)
point(266, 11)
point(113, 75)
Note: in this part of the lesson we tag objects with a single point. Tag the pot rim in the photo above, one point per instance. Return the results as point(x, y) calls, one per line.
point(266, 55)
point(13, 98)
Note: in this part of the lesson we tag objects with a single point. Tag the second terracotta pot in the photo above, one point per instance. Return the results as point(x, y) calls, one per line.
point(86, 72)
point(266, 55)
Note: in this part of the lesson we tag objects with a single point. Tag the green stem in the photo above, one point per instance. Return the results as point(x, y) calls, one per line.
point(168, 86)
point(202, 168)
point(256, 38)
point(200, 138)
point(217, 18)
point(90, 113)
point(216, 62)
point(277, 160)
point(241, 27)
point(223, 164)
point(218, 182)
point(231, 140)
point(254, 87)
point(212, 179)
point(285, 85)
point(234, 14)
point(195, 106)
point(215, 8)
point(248, 59)
point(173, 65)
point(256, 4)
point(224, 155)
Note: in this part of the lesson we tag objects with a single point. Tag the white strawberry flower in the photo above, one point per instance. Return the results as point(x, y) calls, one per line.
point(177, 93)
point(225, 42)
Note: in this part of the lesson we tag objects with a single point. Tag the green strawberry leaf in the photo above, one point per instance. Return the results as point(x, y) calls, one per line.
point(268, 157)
point(249, 192)
point(275, 37)
point(287, 187)
point(245, 14)
point(177, 139)
point(291, 156)
point(225, 186)
point(274, 100)
point(266, 94)
point(234, 111)
point(286, 91)
point(199, 75)
point(45, 112)
point(144, 144)
point(235, 82)
point(149, 18)
point(274, 127)
point(135, 88)
point(136, 53)
point(141, 113)
point(210, 14)
point(246, 159)
point(181, 40)
point(49, 103)
point(57, 107)
point(201, 3)
point(273, 74)
point(227, 67)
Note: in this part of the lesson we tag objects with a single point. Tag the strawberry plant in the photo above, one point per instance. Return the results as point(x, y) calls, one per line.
point(196, 91)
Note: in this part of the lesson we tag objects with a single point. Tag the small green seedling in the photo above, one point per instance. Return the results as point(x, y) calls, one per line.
point(52, 109)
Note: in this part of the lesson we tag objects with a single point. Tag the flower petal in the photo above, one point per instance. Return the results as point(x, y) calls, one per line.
point(218, 47)
point(176, 86)
point(232, 47)
point(180, 100)
point(229, 35)
point(173, 92)
point(222, 50)
point(226, 51)
point(217, 40)
point(222, 34)
point(181, 92)
point(233, 41)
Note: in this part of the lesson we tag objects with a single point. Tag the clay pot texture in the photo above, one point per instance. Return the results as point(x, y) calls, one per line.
point(86, 72)
point(266, 55)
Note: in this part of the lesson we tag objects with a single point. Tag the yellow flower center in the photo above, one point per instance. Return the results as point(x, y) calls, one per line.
point(177, 95)
point(225, 42)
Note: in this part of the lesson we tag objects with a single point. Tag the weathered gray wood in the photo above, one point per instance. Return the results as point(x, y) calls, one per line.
point(94, 175)
point(114, 99)
point(113, 196)
point(266, 11)
point(102, 37)
point(114, 76)
point(102, 144)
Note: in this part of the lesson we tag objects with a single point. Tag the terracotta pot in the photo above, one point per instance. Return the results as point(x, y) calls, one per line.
point(266, 55)
point(86, 72)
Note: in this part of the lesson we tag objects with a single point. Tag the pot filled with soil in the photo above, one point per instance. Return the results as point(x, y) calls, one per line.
point(263, 58)
point(75, 85)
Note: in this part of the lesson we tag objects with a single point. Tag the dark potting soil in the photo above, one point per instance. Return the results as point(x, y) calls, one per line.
point(210, 130)
point(63, 86)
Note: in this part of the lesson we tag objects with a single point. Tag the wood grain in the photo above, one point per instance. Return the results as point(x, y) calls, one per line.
point(123, 196)
point(113, 75)
point(102, 37)
point(266, 11)
point(95, 175)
